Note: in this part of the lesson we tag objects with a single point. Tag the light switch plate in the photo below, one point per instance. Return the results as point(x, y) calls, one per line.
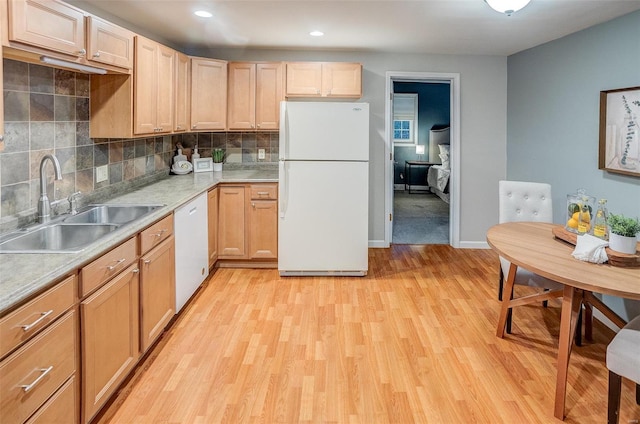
point(261, 153)
point(102, 173)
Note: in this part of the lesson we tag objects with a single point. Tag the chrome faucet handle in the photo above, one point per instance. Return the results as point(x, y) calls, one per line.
point(73, 199)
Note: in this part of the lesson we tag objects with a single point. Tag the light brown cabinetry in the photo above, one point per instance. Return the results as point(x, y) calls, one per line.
point(324, 79)
point(157, 287)
point(110, 335)
point(212, 209)
point(1, 102)
point(182, 90)
point(231, 222)
point(208, 94)
point(58, 29)
point(154, 87)
point(62, 407)
point(255, 93)
point(247, 222)
point(33, 373)
point(109, 44)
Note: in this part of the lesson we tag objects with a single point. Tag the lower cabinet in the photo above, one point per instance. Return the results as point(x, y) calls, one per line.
point(248, 222)
point(212, 209)
point(61, 408)
point(157, 292)
point(110, 334)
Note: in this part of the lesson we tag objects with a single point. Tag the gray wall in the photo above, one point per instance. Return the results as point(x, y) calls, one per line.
point(553, 116)
point(483, 81)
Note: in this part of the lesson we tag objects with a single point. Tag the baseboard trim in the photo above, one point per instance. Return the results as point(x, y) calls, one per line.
point(474, 245)
point(378, 244)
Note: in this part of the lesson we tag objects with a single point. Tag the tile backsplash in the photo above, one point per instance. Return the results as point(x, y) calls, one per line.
point(46, 111)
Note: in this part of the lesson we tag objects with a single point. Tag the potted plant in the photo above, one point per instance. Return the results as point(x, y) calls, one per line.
point(623, 233)
point(218, 158)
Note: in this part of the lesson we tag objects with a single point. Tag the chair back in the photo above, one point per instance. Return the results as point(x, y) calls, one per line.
point(524, 201)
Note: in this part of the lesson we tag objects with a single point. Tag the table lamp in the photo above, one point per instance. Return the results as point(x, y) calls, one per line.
point(419, 151)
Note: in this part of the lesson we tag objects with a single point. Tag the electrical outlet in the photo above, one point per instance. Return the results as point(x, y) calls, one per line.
point(102, 173)
point(261, 153)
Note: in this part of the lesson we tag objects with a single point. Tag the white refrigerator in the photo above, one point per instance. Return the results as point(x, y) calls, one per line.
point(323, 188)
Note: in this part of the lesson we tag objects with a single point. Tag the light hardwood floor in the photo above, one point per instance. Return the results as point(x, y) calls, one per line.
point(414, 341)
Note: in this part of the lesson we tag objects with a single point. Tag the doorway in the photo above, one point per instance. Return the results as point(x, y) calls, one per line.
point(404, 199)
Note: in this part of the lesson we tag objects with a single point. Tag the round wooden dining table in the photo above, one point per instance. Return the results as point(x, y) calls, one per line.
point(532, 246)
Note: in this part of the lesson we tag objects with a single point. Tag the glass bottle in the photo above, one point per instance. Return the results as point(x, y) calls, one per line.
point(600, 226)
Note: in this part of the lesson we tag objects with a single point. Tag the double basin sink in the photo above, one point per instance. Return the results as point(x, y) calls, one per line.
point(72, 233)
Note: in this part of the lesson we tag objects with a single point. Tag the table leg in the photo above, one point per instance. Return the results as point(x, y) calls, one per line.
point(571, 304)
point(507, 295)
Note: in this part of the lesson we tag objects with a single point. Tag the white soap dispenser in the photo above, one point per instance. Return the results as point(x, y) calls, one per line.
point(195, 154)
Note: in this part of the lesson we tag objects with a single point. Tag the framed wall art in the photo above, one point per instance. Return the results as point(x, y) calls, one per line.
point(619, 150)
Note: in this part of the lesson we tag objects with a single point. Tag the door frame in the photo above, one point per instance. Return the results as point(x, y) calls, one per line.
point(453, 79)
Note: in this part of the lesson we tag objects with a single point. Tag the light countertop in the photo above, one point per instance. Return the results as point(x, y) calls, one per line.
point(24, 275)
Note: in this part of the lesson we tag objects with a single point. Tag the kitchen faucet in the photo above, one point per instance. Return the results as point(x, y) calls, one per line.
point(44, 207)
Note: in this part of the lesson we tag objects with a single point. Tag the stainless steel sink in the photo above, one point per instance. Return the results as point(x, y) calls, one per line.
point(55, 238)
point(111, 214)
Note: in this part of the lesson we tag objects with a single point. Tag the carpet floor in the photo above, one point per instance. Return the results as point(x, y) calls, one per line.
point(419, 218)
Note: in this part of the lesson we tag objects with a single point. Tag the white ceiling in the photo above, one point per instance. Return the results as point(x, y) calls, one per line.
point(420, 26)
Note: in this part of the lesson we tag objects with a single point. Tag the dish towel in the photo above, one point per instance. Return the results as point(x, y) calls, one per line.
point(591, 249)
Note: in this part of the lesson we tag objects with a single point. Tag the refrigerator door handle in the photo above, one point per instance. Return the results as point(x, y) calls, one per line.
point(284, 132)
point(283, 196)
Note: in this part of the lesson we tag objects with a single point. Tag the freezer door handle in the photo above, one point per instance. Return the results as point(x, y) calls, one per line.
point(283, 196)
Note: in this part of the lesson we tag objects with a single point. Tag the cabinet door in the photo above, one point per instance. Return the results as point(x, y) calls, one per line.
point(1, 105)
point(342, 80)
point(208, 94)
point(49, 24)
point(157, 292)
point(304, 79)
point(182, 94)
point(165, 89)
point(263, 218)
point(231, 222)
point(241, 108)
point(212, 208)
point(145, 73)
point(110, 334)
point(269, 94)
point(108, 43)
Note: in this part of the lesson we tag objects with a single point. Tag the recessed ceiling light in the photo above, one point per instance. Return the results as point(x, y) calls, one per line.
point(316, 33)
point(203, 13)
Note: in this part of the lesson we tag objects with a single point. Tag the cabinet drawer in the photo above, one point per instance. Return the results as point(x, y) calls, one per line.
point(35, 371)
point(20, 325)
point(61, 408)
point(107, 266)
point(264, 191)
point(155, 234)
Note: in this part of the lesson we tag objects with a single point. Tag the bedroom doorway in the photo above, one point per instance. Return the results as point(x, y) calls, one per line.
point(418, 215)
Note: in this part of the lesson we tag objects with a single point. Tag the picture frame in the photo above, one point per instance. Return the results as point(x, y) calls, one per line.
point(619, 141)
point(203, 165)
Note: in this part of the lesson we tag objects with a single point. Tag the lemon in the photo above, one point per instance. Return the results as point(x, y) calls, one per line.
point(585, 217)
point(572, 223)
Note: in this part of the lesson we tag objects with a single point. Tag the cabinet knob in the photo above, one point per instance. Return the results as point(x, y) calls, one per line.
point(82, 52)
point(178, 127)
point(194, 126)
point(258, 125)
point(1, 137)
point(96, 54)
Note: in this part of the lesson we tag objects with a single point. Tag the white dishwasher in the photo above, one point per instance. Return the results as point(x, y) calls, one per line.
point(192, 249)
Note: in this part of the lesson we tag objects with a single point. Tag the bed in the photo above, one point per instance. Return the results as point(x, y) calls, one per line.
point(438, 180)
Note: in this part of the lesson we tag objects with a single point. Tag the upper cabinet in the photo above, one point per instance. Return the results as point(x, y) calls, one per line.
point(182, 107)
point(55, 28)
point(255, 93)
point(208, 94)
point(154, 87)
point(109, 44)
point(324, 79)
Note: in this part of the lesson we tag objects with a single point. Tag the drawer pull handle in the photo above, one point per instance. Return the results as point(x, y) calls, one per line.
point(147, 261)
point(43, 315)
point(118, 262)
point(263, 193)
point(44, 371)
point(159, 233)
point(135, 271)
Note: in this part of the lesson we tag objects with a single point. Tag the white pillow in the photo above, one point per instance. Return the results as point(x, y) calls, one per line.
point(444, 149)
point(445, 160)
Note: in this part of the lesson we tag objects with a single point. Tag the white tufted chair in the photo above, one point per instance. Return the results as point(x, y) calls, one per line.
point(623, 360)
point(524, 201)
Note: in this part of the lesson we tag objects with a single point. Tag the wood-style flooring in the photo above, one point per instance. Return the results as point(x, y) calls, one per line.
point(413, 342)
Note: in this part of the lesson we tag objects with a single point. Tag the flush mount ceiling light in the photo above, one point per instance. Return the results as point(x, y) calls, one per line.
point(203, 13)
point(316, 33)
point(507, 6)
